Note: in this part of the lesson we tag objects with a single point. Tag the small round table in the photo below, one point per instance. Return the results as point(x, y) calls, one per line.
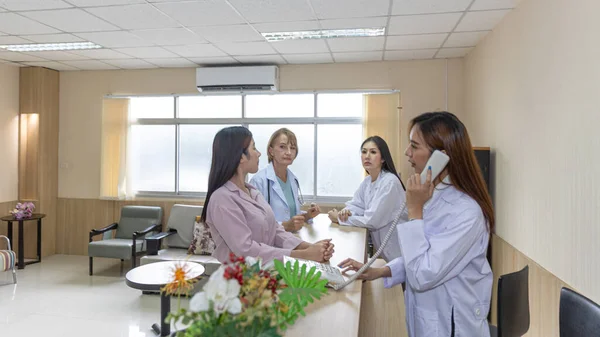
point(21, 253)
point(154, 276)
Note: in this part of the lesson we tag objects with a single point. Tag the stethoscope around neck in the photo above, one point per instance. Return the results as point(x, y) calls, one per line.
point(300, 197)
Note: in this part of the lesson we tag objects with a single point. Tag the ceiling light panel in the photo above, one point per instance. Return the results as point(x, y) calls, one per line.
point(324, 34)
point(50, 46)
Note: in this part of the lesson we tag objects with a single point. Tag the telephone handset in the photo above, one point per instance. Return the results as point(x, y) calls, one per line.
point(437, 161)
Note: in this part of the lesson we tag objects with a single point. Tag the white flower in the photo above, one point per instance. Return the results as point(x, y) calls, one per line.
point(221, 292)
point(250, 261)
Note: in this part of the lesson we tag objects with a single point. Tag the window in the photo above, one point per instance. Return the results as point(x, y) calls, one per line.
point(171, 139)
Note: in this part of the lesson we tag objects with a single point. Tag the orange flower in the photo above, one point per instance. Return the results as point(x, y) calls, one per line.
point(182, 283)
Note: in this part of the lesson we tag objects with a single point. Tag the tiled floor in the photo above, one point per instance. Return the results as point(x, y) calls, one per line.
point(57, 298)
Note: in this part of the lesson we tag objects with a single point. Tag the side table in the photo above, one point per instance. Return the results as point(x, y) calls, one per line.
point(21, 254)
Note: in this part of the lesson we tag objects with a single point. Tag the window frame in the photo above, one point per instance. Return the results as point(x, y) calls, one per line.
point(246, 122)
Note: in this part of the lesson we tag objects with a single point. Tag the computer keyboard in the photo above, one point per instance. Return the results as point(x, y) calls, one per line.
point(332, 274)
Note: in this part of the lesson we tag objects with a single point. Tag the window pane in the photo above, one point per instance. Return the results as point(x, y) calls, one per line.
point(339, 170)
point(304, 163)
point(152, 107)
point(195, 156)
point(288, 105)
point(153, 158)
point(340, 105)
point(229, 106)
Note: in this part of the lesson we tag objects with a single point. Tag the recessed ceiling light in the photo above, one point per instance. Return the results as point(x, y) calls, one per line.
point(50, 46)
point(324, 34)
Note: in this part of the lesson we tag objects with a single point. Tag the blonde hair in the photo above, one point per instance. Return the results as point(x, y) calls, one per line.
point(291, 139)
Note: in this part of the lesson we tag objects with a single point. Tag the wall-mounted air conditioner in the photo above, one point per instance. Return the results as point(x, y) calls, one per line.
point(237, 79)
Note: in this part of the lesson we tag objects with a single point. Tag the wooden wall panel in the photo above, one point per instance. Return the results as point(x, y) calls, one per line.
point(544, 288)
point(39, 94)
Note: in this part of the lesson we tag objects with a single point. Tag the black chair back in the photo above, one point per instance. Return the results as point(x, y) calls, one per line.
point(513, 303)
point(578, 315)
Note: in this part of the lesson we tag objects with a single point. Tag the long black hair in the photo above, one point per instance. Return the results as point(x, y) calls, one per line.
point(228, 146)
point(388, 163)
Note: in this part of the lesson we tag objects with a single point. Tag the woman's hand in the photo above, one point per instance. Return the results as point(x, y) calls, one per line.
point(294, 224)
point(317, 252)
point(329, 250)
point(369, 274)
point(313, 211)
point(333, 215)
point(417, 194)
point(344, 214)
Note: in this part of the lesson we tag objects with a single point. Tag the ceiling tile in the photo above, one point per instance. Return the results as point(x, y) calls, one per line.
point(18, 57)
point(406, 7)
point(89, 65)
point(423, 24)
point(214, 60)
point(130, 64)
point(169, 36)
point(481, 5)
point(115, 39)
point(300, 46)
point(50, 38)
point(134, 17)
point(13, 40)
point(452, 52)
point(354, 23)
point(101, 54)
point(256, 11)
point(71, 20)
point(230, 33)
point(14, 64)
point(474, 21)
point(469, 39)
point(14, 24)
point(56, 55)
point(196, 50)
point(93, 3)
point(204, 13)
point(51, 65)
point(308, 58)
point(331, 9)
point(172, 62)
point(146, 52)
point(27, 5)
point(247, 48)
point(348, 44)
point(261, 59)
point(424, 41)
point(409, 54)
point(286, 26)
point(358, 57)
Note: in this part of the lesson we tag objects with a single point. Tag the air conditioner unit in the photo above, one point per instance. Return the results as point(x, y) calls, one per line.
point(237, 79)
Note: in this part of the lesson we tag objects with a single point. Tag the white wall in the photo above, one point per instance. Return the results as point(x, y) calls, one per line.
point(423, 85)
point(533, 94)
point(9, 130)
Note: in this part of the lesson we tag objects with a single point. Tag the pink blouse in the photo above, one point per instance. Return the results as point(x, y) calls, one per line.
point(246, 225)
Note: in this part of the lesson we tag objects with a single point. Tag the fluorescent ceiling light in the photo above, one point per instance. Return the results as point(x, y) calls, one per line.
point(50, 46)
point(324, 34)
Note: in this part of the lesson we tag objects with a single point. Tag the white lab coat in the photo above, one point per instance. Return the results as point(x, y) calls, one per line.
point(265, 177)
point(374, 206)
point(445, 267)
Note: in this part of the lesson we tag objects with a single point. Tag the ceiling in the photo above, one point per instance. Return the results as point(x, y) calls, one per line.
point(141, 34)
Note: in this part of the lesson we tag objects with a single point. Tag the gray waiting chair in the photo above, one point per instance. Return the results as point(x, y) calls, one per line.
point(136, 222)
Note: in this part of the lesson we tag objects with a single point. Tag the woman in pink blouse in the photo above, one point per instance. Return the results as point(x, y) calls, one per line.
point(239, 218)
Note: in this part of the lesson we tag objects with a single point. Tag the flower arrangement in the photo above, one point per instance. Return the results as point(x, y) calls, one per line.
point(244, 298)
point(23, 210)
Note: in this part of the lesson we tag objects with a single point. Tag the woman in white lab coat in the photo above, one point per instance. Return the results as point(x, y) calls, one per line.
point(279, 186)
point(444, 242)
point(378, 199)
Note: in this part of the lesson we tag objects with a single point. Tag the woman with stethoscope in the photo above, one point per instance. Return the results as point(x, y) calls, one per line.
point(279, 186)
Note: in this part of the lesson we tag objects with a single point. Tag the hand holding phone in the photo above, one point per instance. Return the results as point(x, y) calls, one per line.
point(420, 187)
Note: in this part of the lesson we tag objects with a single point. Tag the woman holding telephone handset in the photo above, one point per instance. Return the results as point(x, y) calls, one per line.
point(444, 242)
